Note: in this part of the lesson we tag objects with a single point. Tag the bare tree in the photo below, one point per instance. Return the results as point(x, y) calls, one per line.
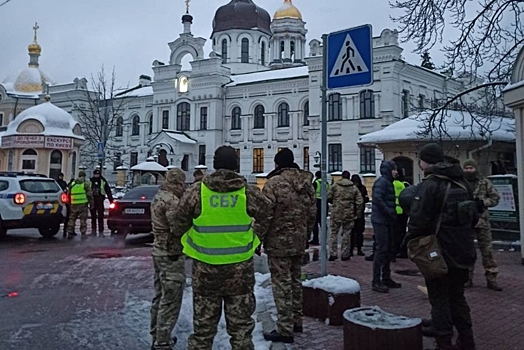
point(490, 32)
point(101, 116)
point(4, 2)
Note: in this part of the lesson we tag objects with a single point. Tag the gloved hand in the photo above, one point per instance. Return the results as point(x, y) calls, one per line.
point(258, 250)
point(480, 205)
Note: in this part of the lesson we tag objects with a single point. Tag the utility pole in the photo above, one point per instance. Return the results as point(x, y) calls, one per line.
point(323, 163)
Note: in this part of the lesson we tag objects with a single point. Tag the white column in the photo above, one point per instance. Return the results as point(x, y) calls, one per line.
point(287, 48)
point(519, 128)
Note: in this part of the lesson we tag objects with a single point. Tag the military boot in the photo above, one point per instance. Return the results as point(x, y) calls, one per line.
point(465, 341)
point(493, 285)
point(276, 337)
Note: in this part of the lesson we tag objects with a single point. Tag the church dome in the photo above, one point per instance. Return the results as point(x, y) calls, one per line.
point(287, 10)
point(241, 14)
point(30, 79)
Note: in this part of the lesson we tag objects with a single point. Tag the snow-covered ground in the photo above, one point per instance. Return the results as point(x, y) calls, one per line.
point(125, 307)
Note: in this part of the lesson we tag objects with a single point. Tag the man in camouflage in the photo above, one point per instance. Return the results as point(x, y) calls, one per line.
point(347, 203)
point(227, 285)
point(487, 197)
point(80, 197)
point(168, 261)
point(293, 214)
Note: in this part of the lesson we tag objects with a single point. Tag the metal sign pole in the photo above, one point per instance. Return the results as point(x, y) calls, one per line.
point(323, 168)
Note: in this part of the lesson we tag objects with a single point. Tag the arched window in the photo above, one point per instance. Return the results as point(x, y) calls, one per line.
point(29, 160)
point(150, 125)
point(259, 117)
point(283, 114)
point(244, 54)
point(55, 164)
point(282, 49)
point(236, 123)
point(183, 116)
point(224, 51)
point(335, 107)
point(263, 54)
point(306, 113)
point(292, 53)
point(119, 127)
point(135, 126)
point(367, 104)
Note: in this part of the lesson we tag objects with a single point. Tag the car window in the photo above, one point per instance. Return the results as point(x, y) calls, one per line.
point(142, 191)
point(39, 186)
point(4, 185)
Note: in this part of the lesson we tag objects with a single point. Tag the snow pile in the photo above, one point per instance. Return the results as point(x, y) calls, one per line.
point(374, 317)
point(334, 284)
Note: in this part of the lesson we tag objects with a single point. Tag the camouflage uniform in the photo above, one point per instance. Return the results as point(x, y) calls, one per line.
point(228, 285)
point(168, 261)
point(347, 202)
point(484, 190)
point(79, 211)
point(293, 215)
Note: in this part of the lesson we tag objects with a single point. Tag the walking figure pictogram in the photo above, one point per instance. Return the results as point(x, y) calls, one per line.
point(350, 52)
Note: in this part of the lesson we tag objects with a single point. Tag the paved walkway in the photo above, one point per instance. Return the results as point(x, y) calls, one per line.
point(498, 317)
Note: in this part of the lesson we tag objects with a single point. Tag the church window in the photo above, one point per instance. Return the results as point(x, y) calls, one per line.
point(335, 157)
point(135, 126)
point(335, 107)
point(133, 159)
point(259, 117)
point(185, 163)
point(258, 160)
point(203, 118)
point(282, 49)
point(150, 125)
point(202, 155)
point(165, 119)
point(183, 115)
point(405, 104)
point(283, 114)
point(292, 53)
point(244, 56)
point(224, 51)
point(119, 128)
point(263, 54)
point(367, 104)
point(306, 113)
point(367, 160)
point(236, 123)
point(2, 118)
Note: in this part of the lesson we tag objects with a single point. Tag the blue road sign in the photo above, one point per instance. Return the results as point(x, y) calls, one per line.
point(350, 57)
point(100, 150)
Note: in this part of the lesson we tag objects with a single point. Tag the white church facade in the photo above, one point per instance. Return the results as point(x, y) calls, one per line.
point(258, 90)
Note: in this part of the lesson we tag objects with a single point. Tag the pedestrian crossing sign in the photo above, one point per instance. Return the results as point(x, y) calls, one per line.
point(350, 58)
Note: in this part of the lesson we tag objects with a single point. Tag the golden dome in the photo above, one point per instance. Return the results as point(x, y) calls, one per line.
point(34, 48)
point(287, 10)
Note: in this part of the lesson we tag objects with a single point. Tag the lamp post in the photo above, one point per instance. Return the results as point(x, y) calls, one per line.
point(317, 158)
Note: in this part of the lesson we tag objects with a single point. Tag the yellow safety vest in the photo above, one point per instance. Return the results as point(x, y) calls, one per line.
point(222, 234)
point(78, 194)
point(318, 190)
point(399, 187)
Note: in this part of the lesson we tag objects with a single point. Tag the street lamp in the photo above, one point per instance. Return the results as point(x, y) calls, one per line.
point(317, 158)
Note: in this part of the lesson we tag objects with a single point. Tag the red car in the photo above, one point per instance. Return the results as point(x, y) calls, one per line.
point(132, 213)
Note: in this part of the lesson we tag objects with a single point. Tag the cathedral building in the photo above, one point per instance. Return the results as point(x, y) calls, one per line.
point(258, 90)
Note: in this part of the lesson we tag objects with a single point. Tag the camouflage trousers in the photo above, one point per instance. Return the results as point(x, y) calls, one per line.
point(346, 238)
point(229, 287)
point(287, 291)
point(169, 281)
point(486, 251)
point(77, 211)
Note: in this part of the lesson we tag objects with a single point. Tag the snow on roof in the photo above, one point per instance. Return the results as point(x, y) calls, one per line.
point(56, 121)
point(10, 89)
point(374, 317)
point(334, 284)
point(149, 166)
point(179, 136)
point(137, 92)
point(268, 75)
point(458, 126)
point(512, 86)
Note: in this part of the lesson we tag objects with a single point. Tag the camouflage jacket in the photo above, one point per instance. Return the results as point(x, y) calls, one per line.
point(163, 209)
point(484, 190)
point(293, 211)
point(222, 181)
point(347, 201)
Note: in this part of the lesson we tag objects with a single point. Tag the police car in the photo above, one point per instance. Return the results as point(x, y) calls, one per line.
point(31, 201)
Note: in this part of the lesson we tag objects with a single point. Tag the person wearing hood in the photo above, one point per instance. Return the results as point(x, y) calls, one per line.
point(81, 196)
point(220, 236)
point(347, 206)
point(442, 196)
point(168, 261)
point(357, 233)
point(293, 212)
point(383, 219)
point(487, 197)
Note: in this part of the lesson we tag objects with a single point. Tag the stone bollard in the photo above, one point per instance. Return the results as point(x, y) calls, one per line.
point(370, 328)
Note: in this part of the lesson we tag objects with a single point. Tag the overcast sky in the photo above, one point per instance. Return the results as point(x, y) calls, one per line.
point(79, 36)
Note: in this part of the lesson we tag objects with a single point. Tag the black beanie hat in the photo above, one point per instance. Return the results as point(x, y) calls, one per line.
point(225, 158)
point(431, 154)
point(285, 158)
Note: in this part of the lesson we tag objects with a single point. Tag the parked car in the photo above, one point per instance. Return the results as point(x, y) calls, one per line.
point(132, 213)
point(31, 201)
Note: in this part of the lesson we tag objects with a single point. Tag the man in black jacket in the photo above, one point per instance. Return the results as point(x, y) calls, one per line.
point(455, 236)
point(383, 218)
point(101, 189)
